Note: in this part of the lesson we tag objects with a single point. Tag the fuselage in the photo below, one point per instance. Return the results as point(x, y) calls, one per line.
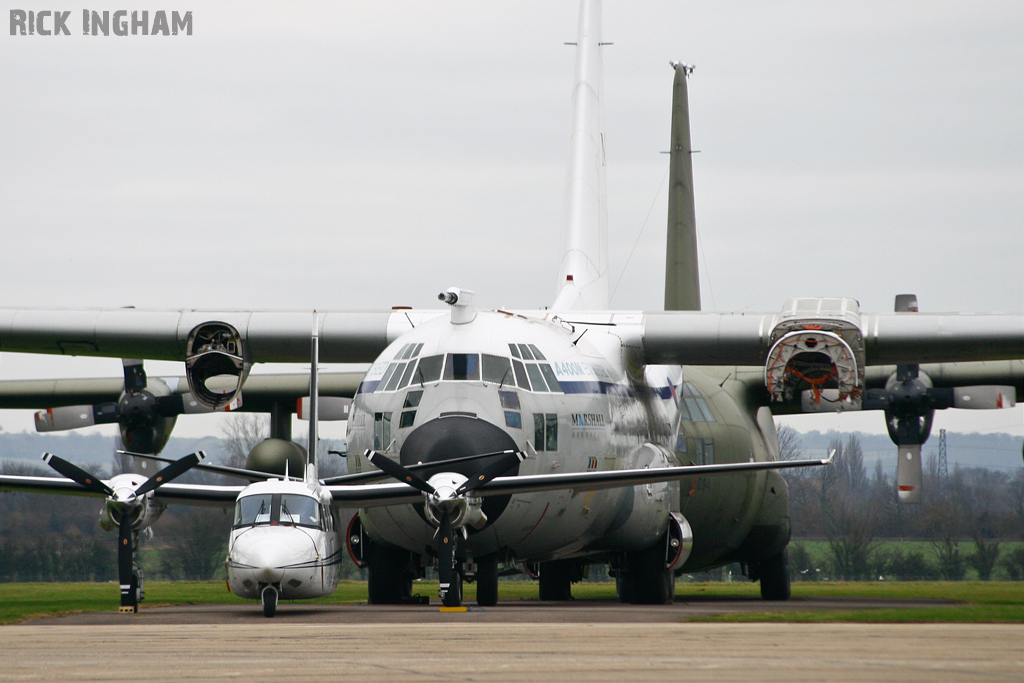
point(283, 536)
point(566, 395)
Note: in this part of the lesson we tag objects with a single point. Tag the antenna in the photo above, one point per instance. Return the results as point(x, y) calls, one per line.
point(314, 401)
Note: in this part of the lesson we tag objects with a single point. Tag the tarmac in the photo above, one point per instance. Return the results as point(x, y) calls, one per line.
point(519, 641)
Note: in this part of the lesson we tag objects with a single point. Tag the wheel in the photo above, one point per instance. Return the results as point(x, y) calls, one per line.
point(453, 598)
point(775, 577)
point(389, 581)
point(556, 579)
point(269, 597)
point(487, 580)
point(652, 582)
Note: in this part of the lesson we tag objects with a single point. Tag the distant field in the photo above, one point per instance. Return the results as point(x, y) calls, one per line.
point(975, 601)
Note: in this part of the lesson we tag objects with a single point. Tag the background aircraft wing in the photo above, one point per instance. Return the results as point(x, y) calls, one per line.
point(698, 338)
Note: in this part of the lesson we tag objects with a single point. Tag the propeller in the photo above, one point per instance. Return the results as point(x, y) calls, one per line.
point(128, 506)
point(910, 401)
point(146, 411)
point(449, 507)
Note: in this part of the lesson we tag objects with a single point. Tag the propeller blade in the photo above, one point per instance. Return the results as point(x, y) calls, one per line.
point(447, 575)
point(172, 471)
point(399, 472)
point(73, 417)
point(908, 474)
point(984, 397)
point(503, 464)
point(125, 563)
point(77, 474)
point(134, 375)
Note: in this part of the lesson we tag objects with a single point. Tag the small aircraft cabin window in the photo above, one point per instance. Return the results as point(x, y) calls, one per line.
point(278, 509)
point(412, 399)
point(299, 510)
point(462, 366)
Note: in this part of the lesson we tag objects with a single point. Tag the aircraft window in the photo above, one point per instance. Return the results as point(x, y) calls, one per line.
point(536, 352)
point(381, 430)
point(300, 510)
point(509, 400)
point(416, 351)
point(407, 419)
point(705, 410)
point(407, 375)
point(680, 443)
point(549, 375)
point(521, 379)
point(462, 366)
point(545, 431)
point(387, 376)
point(429, 369)
point(704, 451)
point(404, 353)
point(525, 350)
point(497, 369)
point(536, 379)
point(513, 419)
point(253, 510)
point(683, 412)
point(515, 350)
point(693, 409)
point(396, 377)
point(690, 390)
point(412, 399)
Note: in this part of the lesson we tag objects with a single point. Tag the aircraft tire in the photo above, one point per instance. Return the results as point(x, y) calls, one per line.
point(269, 599)
point(775, 577)
point(556, 579)
point(388, 580)
point(487, 580)
point(652, 583)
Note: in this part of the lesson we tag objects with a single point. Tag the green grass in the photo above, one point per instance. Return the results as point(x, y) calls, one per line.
point(960, 602)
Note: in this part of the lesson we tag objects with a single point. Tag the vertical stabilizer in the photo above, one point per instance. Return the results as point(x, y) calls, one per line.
point(682, 276)
point(312, 474)
point(583, 268)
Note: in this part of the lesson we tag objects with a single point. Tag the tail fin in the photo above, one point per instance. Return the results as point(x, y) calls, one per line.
point(312, 471)
point(682, 277)
point(583, 269)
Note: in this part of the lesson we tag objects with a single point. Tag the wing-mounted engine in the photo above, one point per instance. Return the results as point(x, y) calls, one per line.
point(216, 364)
point(817, 355)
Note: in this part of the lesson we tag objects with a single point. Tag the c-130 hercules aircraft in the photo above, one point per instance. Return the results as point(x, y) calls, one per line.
point(573, 435)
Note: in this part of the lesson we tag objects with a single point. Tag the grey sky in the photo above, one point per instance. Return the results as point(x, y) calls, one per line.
point(368, 154)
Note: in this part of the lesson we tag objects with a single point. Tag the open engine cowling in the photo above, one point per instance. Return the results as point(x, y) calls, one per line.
point(216, 364)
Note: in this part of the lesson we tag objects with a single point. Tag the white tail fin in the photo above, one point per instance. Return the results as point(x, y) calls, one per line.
point(583, 268)
point(312, 474)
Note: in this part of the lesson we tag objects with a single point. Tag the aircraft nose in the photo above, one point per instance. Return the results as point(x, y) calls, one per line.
point(269, 559)
point(460, 436)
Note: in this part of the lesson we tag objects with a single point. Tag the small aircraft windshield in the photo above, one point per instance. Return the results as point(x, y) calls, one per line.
point(273, 509)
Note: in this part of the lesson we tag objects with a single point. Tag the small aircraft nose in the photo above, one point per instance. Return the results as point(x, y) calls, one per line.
point(269, 559)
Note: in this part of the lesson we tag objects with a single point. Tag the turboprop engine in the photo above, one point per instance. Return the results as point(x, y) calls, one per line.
point(216, 364)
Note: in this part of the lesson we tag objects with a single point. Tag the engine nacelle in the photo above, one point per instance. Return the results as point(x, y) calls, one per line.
point(817, 348)
point(144, 512)
point(216, 364)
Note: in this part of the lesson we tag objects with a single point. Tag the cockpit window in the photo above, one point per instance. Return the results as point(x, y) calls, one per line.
point(536, 352)
point(462, 366)
point(429, 369)
point(277, 509)
point(525, 350)
point(497, 369)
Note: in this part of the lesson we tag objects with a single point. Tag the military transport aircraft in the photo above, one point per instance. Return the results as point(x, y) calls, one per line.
point(556, 438)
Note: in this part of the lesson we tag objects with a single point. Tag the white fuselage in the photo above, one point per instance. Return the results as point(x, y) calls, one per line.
point(283, 537)
point(531, 385)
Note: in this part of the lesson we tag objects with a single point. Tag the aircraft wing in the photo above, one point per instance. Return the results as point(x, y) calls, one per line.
point(185, 494)
point(371, 495)
point(678, 337)
point(261, 390)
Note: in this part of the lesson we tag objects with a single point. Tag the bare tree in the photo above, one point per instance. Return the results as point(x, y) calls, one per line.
point(242, 432)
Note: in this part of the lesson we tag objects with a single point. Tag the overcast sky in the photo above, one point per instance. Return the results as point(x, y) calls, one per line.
point(368, 154)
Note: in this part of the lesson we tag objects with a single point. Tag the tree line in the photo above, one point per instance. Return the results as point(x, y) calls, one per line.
point(966, 519)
